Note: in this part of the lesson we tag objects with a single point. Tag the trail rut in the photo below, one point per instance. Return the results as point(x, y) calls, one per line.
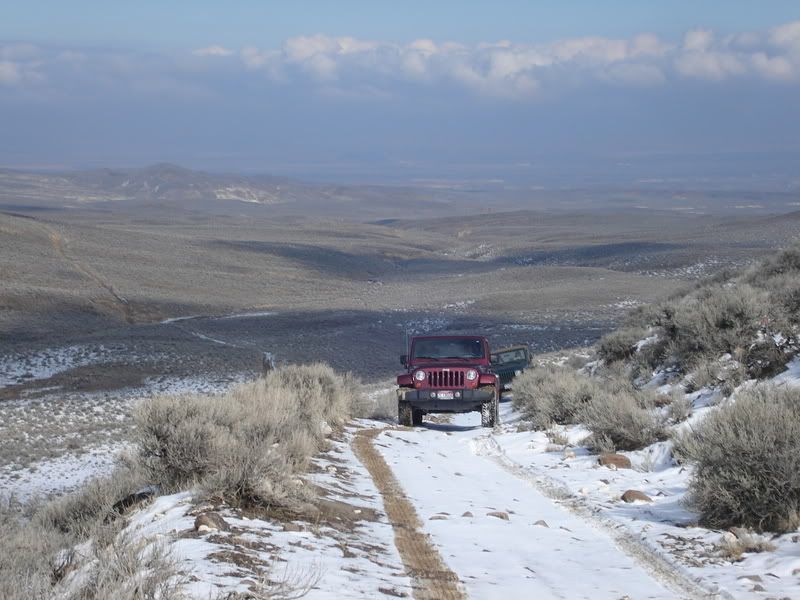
point(431, 578)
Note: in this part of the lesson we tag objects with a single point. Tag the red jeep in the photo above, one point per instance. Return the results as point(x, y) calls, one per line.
point(447, 374)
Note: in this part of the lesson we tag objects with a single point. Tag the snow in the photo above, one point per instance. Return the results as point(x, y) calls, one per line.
point(791, 376)
point(59, 475)
point(340, 563)
point(20, 368)
point(443, 472)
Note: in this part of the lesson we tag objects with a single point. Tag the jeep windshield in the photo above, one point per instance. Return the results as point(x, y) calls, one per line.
point(444, 349)
point(509, 356)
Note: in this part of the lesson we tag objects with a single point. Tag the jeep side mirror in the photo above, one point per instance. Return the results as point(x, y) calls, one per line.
point(404, 359)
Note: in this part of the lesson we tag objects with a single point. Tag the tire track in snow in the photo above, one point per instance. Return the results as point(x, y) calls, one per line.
point(646, 556)
point(431, 578)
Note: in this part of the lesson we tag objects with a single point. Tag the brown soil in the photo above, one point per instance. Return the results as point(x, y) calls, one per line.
point(431, 579)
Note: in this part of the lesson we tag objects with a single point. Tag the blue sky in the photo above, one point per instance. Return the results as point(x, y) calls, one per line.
point(177, 23)
point(351, 87)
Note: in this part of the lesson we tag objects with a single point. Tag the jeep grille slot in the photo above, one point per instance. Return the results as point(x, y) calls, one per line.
point(446, 379)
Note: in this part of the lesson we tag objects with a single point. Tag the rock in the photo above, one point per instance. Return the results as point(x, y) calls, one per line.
point(569, 453)
point(438, 518)
point(758, 588)
point(498, 514)
point(542, 523)
point(468, 514)
point(292, 527)
point(618, 461)
point(210, 521)
point(796, 572)
point(635, 496)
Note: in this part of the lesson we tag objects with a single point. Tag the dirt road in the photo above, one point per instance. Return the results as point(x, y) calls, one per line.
point(431, 579)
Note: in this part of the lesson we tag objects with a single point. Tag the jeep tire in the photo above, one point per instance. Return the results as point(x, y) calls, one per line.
point(489, 413)
point(405, 415)
point(416, 417)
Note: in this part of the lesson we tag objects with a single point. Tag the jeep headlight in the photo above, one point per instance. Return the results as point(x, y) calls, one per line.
point(420, 375)
point(517, 373)
point(472, 375)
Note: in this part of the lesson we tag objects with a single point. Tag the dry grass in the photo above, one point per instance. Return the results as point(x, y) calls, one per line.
point(620, 344)
point(746, 457)
point(378, 401)
point(619, 416)
point(736, 543)
point(551, 394)
point(623, 419)
point(752, 316)
point(248, 445)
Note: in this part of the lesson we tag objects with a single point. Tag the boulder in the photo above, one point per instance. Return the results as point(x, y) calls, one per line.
point(618, 461)
point(635, 496)
point(210, 521)
point(498, 514)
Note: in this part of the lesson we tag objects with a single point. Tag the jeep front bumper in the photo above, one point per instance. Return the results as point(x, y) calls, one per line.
point(469, 400)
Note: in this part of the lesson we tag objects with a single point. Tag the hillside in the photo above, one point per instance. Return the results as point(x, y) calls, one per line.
point(666, 456)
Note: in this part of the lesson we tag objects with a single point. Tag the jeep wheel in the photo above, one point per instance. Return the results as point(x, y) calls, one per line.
point(405, 416)
point(489, 413)
point(416, 417)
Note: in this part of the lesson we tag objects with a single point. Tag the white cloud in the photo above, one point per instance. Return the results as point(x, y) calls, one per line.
point(505, 68)
point(501, 68)
point(9, 73)
point(713, 66)
point(213, 51)
point(778, 68)
point(698, 40)
point(787, 35)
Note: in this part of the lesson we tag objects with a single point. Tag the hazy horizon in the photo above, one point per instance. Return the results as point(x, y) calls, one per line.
point(530, 94)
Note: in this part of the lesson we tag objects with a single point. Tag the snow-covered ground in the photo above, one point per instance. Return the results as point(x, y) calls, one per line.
point(512, 515)
point(354, 560)
point(501, 536)
point(20, 368)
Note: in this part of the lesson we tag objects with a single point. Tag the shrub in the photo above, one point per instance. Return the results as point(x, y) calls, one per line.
point(717, 321)
point(30, 556)
point(41, 555)
point(737, 542)
point(379, 403)
point(747, 456)
point(127, 569)
point(620, 344)
point(617, 417)
point(248, 445)
point(81, 512)
point(785, 262)
point(551, 394)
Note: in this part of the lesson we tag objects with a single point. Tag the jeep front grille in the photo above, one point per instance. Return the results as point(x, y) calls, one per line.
point(445, 379)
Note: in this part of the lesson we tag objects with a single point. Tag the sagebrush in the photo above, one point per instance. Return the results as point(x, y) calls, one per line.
point(746, 459)
point(248, 445)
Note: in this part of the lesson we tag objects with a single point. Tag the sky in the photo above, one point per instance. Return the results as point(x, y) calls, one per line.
point(385, 90)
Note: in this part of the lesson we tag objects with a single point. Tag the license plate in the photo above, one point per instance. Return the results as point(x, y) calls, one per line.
point(445, 395)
